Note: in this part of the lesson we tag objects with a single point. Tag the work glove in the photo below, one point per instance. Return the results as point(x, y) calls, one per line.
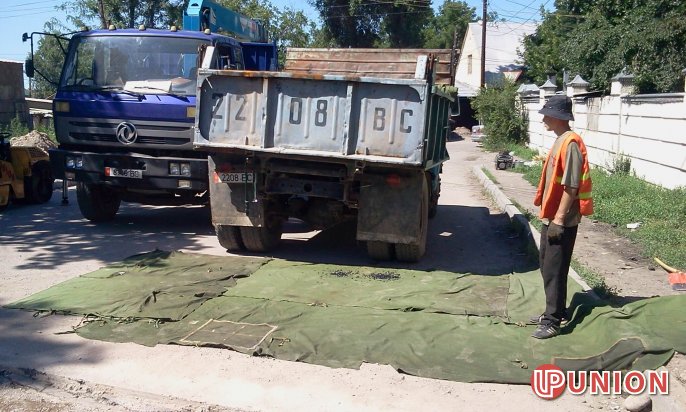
point(555, 233)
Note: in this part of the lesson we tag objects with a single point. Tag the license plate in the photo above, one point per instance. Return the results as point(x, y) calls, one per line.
point(236, 177)
point(129, 173)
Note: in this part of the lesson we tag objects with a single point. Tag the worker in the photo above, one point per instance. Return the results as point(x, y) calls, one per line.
point(564, 195)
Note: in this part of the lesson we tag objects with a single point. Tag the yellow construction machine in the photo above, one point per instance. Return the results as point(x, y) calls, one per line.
point(25, 174)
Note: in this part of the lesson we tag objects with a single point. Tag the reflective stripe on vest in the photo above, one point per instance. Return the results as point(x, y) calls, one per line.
point(550, 204)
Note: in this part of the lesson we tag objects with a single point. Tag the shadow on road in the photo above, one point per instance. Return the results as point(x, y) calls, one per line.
point(25, 341)
point(50, 234)
point(461, 238)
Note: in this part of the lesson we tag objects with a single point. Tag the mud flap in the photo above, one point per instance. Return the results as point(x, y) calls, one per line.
point(234, 204)
point(389, 212)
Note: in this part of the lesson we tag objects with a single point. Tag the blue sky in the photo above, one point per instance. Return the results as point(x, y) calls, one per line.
point(19, 16)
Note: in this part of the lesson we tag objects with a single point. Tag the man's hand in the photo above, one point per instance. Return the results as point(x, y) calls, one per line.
point(555, 232)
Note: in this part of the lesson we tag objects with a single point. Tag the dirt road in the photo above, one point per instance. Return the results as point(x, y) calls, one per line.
point(46, 244)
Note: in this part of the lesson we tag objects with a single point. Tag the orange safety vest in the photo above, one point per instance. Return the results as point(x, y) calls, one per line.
point(550, 204)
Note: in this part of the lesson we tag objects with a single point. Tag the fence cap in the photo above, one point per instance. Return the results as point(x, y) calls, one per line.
point(579, 81)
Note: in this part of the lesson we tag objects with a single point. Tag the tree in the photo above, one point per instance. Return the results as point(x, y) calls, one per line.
point(404, 22)
point(388, 23)
point(503, 123)
point(351, 23)
point(597, 39)
point(125, 13)
point(287, 27)
point(452, 20)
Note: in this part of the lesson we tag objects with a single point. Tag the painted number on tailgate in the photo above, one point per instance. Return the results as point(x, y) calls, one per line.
point(296, 111)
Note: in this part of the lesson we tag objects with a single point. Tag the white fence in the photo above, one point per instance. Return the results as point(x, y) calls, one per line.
point(648, 129)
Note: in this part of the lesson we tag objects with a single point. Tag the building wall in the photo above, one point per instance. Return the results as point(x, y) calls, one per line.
point(649, 129)
point(12, 101)
point(462, 73)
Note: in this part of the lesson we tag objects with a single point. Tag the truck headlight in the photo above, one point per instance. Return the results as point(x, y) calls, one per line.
point(174, 169)
point(70, 162)
point(62, 107)
point(185, 169)
point(79, 162)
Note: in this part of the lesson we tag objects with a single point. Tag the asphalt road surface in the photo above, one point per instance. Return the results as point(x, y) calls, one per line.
point(42, 245)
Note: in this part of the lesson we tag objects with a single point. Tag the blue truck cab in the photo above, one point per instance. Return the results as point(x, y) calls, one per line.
point(124, 110)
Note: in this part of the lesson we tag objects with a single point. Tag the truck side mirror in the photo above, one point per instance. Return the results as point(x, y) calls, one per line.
point(29, 69)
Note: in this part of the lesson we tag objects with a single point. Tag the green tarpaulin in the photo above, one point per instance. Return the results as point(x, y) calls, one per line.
point(434, 324)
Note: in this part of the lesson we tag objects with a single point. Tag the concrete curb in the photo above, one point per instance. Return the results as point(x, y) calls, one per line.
point(521, 222)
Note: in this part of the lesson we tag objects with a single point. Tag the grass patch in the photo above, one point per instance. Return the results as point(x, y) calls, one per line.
point(595, 280)
point(489, 175)
point(621, 198)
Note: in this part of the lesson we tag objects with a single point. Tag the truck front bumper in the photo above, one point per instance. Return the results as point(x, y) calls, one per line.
point(155, 171)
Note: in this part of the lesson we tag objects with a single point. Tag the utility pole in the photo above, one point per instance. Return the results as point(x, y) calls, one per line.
point(483, 44)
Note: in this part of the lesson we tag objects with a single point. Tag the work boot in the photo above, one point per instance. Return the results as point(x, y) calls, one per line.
point(546, 331)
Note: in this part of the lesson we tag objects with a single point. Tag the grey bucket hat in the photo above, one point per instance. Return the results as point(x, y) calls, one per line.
point(559, 107)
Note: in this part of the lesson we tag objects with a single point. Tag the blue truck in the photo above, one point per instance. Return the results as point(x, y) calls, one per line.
point(124, 110)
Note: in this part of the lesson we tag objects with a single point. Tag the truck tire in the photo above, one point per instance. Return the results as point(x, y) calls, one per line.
point(433, 202)
point(38, 186)
point(229, 237)
point(414, 252)
point(97, 203)
point(380, 250)
point(261, 239)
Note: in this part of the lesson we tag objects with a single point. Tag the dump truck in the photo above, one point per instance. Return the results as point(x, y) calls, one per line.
point(125, 102)
point(349, 134)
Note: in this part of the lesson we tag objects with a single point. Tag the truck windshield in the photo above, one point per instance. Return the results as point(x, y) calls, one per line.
point(110, 62)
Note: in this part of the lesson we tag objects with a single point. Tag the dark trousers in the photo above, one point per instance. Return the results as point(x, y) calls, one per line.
point(554, 261)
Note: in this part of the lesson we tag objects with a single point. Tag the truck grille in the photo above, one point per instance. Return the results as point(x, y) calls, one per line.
point(149, 133)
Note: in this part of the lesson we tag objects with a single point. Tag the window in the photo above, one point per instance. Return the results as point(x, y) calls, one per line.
point(469, 64)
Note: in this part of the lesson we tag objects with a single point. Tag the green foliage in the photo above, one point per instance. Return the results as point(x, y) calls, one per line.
point(151, 13)
point(15, 127)
point(503, 122)
point(351, 23)
point(403, 23)
point(452, 19)
point(399, 23)
point(287, 27)
point(620, 165)
point(620, 199)
point(597, 39)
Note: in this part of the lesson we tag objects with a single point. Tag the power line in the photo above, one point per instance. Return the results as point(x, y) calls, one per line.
point(521, 25)
point(29, 9)
point(345, 16)
point(33, 2)
point(27, 14)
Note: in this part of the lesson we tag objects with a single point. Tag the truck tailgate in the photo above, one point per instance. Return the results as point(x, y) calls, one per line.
point(361, 118)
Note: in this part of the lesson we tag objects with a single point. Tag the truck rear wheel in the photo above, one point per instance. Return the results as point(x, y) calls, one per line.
point(414, 252)
point(261, 239)
point(97, 203)
point(38, 186)
point(435, 194)
point(229, 237)
point(380, 250)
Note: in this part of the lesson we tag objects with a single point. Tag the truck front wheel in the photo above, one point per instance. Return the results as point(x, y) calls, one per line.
point(97, 203)
point(261, 239)
point(38, 186)
point(229, 237)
